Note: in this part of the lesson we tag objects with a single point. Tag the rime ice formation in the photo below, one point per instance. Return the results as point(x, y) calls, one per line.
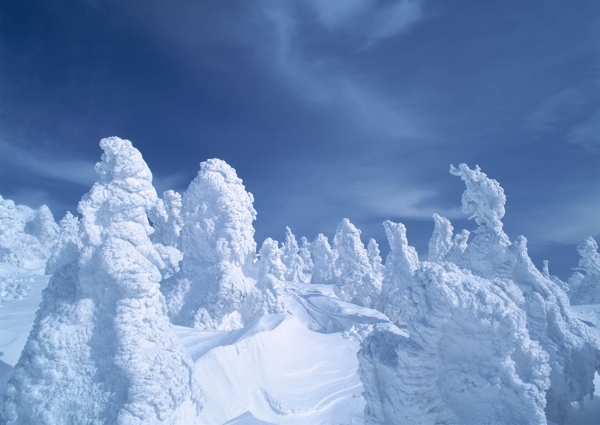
point(267, 297)
point(573, 349)
point(102, 349)
point(324, 259)
point(294, 265)
point(355, 280)
point(375, 260)
point(217, 241)
point(400, 265)
point(166, 219)
point(26, 235)
point(585, 287)
point(304, 253)
point(468, 360)
point(68, 245)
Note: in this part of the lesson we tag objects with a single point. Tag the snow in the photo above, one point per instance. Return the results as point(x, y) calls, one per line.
point(475, 334)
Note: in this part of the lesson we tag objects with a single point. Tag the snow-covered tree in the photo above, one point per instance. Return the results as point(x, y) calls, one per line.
point(468, 359)
point(585, 287)
point(324, 259)
point(355, 281)
point(166, 219)
point(68, 245)
point(294, 265)
point(400, 265)
point(102, 349)
point(304, 253)
point(375, 260)
point(267, 297)
point(217, 241)
point(573, 349)
point(26, 235)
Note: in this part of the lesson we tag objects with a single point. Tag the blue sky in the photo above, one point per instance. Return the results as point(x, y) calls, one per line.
point(326, 109)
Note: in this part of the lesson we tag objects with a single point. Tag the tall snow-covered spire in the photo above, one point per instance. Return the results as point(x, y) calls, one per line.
point(102, 348)
point(218, 244)
point(400, 265)
point(484, 199)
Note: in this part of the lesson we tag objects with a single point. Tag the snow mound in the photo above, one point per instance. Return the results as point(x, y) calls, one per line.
point(102, 349)
point(284, 374)
point(469, 358)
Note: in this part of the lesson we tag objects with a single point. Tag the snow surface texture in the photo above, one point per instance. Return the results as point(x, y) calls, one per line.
point(26, 235)
point(585, 287)
point(468, 360)
point(355, 279)
point(217, 241)
point(102, 349)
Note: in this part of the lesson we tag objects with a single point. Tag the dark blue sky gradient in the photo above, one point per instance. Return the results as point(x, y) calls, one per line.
point(326, 108)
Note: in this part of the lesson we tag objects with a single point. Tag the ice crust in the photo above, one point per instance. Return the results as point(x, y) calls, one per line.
point(102, 349)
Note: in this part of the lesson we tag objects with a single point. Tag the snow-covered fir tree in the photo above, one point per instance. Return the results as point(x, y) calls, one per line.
point(400, 266)
point(102, 349)
point(217, 241)
point(355, 280)
point(166, 219)
point(585, 287)
point(304, 253)
point(375, 260)
point(67, 246)
point(324, 259)
point(267, 296)
point(294, 265)
point(26, 235)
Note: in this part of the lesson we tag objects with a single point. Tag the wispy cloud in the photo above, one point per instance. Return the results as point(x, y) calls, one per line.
point(327, 83)
point(69, 170)
point(371, 20)
point(587, 134)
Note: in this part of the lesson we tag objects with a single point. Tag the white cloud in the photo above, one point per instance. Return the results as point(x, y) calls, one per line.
point(587, 134)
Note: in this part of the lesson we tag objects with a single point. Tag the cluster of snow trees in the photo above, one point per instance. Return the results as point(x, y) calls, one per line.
point(489, 338)
point(476, 335)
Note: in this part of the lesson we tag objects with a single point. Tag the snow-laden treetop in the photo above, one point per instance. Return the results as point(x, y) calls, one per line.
point(124, 191)
point(218, 213)
point(484, 199)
